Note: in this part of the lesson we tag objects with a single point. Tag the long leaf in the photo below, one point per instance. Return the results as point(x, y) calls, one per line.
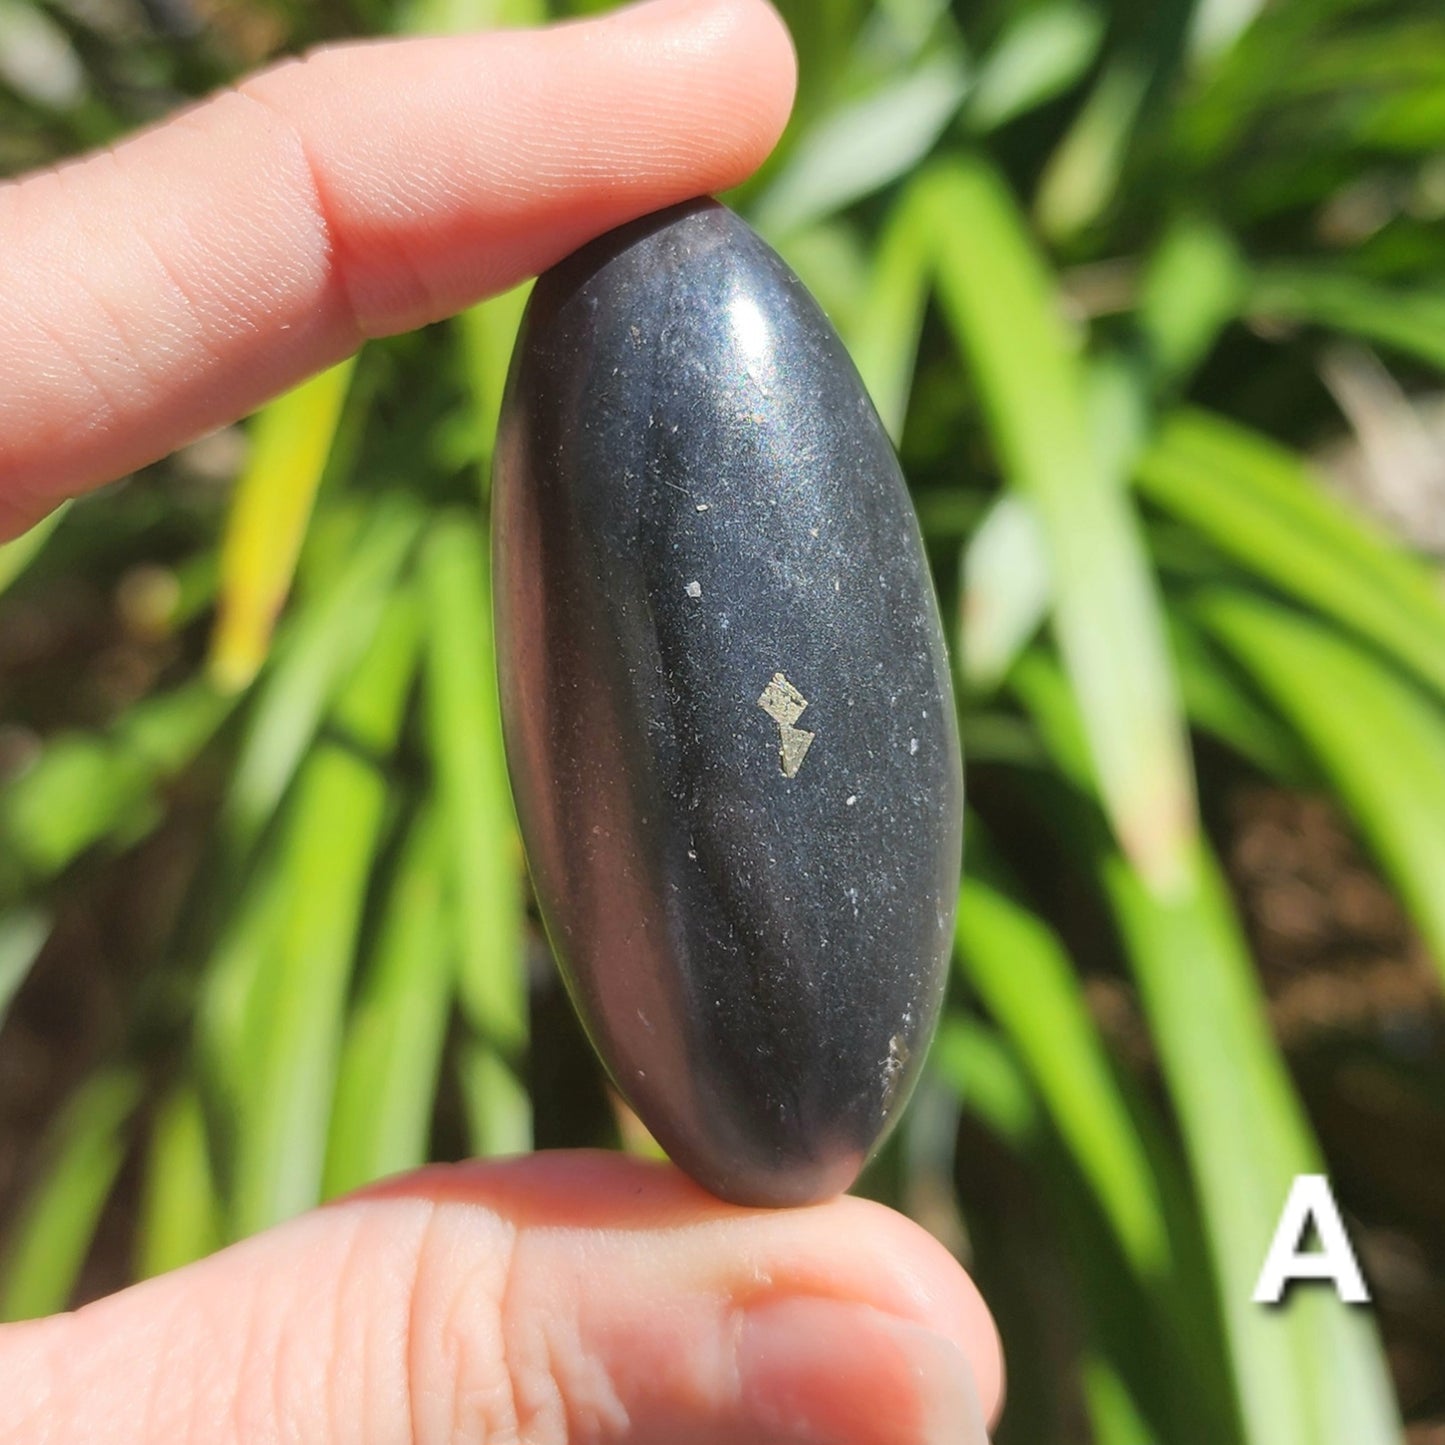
point(1379, 739)
point(983, 1069)
point(1083, 173)
point(1005, 594)
point(246, 941)
point(1192, 285)
point(312, 660)
point(1219, 702)
point(290, 443)
point(1003, 309)
point(54, 1233)
point(1023, 975)
point(1147, 1329)
point(487, 333)
point(1309, 1373)
point(91, 788)
point(448, 17)
point(1113, 1412)
point(884, 339)
point(295, 1012)
point(1411, 322)
point(464, 726)
point(386, 1088)
point(1044, 50)
point(1258, 503)
point(181, 1214)
point(18, 553)
point(864, 145)
point(23, 932)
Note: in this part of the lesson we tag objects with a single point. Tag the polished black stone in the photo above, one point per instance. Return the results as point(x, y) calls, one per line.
point(727, 704)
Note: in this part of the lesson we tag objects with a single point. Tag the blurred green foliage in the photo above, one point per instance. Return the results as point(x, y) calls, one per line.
point(1113, 270)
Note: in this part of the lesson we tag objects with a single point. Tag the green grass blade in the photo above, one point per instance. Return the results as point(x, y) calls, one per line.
point(1082, 175)
point(1379, 739)
point(1113, 1413)
point(38, 61)
point(180, 1211)
point(1002, 306)
point(487, 333)
point(18, 553)
point(1216, 26)
point(1259, 504)
point(450, 17)
point(1192, 286)
point(91, 788)
point(884, 338)
point(1158, 1332)
point(1040, 54)
point(465, 733)
point(388, 1078)
point(835, 261)
point(290, 443)
point(23, 932)
point(1219, 702)
point(865, 145)
point(295, 1013)
point(313, 657)
point(246, 942)
point(494, 1101)
point(53, 1234)
point(1310, 1372)
point(1410, 322)
point(1005, 594)
point(1022, 973)
point(980, 1067)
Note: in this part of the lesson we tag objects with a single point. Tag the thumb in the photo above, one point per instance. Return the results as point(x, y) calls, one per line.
point(554, 1300)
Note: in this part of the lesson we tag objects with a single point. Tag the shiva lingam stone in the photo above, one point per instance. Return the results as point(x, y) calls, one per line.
point(727, 704)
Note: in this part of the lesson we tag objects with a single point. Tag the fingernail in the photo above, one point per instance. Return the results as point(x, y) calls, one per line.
point(826, 1372)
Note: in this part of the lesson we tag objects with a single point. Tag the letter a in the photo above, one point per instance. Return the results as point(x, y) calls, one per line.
point(1309, 1199)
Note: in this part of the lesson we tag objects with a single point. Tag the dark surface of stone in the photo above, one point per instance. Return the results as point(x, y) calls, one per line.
point(727, 705)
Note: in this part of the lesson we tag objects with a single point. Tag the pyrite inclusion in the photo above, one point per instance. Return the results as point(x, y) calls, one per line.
point(726, 702)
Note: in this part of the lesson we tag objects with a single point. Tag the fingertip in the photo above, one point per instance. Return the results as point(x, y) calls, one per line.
point(754, 39)
point(849, 1372)
point(936, 1291)
point(727, 70)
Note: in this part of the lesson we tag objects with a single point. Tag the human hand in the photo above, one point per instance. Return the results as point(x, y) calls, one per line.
point(173, 284)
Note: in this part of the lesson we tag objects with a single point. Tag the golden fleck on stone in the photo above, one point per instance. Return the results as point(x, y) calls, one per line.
point(784, 704)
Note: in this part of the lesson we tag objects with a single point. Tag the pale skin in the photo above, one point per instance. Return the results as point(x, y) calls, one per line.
point(172, 284)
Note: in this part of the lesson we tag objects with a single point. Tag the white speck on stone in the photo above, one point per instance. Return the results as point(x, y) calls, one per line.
point(693, 589)
point(702, 506)
point(893, 1067)
point(850, 799)
point(692, 853)
point(812, 531)
point(912, 747)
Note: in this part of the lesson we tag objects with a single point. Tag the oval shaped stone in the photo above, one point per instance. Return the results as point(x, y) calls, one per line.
point(727, 705)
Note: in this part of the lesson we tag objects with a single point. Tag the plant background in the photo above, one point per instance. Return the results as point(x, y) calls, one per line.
point(1150, 295)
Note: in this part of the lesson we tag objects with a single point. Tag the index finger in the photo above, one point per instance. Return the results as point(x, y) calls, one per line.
point(150, 293)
